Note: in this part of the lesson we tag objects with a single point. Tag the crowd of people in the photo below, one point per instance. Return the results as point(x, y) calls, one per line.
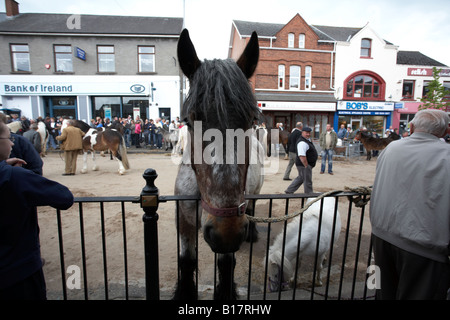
point(137, 132)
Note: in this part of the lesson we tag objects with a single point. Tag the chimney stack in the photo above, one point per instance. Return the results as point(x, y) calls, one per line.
point(12, 8)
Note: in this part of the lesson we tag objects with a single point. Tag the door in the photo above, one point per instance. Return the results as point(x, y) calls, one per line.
point(356, 123)
point(164, 113)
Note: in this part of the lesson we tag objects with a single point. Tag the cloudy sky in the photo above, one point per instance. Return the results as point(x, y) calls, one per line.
point(412, 25)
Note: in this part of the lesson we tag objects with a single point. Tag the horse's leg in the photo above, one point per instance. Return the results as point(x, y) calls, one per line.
point(84, 169)
point(114, 154)
point(320, 261)
point(95, 167)
point(226, 288)
point(369, 154)
point(186, 183)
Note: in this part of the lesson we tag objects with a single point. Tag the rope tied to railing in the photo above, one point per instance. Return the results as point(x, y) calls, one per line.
point(360, 200)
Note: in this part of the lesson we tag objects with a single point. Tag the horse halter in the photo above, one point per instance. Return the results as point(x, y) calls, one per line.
point(225, 212)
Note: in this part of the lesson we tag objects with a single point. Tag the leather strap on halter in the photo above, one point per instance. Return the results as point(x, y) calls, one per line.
point(224, 212)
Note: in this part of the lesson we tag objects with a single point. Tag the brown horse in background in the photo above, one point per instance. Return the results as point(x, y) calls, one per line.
point(372, 143)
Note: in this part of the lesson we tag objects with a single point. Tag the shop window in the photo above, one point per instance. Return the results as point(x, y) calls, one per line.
point(106, 59)
point(291, 38)
point(366, 48)
point(281, 72)
point(20, 58)
point(308, 72)
point(63, 58)
point(294, 78)
point(408, 90)
point(425, 88)
point(447, 87)
point(301, 41)
point(146, 58)
point(364, 86)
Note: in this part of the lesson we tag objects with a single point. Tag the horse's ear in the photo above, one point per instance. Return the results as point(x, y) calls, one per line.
point(187, 56)
point(249, 58)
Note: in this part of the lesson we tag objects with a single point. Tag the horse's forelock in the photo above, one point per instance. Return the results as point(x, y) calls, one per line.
point(221, 96)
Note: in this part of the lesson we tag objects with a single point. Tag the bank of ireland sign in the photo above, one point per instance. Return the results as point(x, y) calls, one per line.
point(73, 88)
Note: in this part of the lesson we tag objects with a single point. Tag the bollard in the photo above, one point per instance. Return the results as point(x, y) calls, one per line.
point(149, 203)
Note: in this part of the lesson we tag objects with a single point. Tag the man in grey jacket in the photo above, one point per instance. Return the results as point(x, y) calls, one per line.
point(410, 212)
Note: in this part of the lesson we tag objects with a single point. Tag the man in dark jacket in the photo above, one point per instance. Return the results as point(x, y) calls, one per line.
point(305, 161)
point(21, 191)
point(292, 148)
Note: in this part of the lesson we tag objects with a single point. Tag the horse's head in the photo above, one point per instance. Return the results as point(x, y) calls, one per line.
point(220, 98)
point(277, 278)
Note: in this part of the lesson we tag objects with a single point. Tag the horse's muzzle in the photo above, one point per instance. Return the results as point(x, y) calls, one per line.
point(225, 235)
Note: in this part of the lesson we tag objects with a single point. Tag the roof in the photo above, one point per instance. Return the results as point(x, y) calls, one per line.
point(92, 24)
point(325, 33)
point(415, 58)
point(246, 28)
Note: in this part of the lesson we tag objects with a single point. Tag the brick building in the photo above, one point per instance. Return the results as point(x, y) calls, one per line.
point(294, 79)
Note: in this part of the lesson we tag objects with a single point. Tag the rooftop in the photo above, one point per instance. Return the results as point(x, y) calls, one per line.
point(90, 24)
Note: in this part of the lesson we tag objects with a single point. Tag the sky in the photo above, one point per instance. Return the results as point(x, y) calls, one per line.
point(415, 25)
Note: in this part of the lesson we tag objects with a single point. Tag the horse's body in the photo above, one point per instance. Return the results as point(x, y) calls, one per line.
point(43, 132)
point(284, 136)
point(308, 243)
point(372, 143)
point(220, 98)
point(101, 139)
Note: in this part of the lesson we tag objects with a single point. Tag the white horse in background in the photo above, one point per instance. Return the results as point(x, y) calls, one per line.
point(44, 137)
point(308, 243)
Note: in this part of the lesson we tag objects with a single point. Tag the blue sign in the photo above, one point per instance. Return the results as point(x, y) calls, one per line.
point(80, 54)
point(398, 105)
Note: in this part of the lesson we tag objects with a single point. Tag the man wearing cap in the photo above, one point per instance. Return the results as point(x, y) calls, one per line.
point(306, 160)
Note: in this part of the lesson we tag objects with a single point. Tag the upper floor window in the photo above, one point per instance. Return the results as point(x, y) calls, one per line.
point(294, 77)
point(281, 72)
point(63, 58)
point(364, 87)
point(366, 48)
point(308, 71)
point(106, 59)
point(20, 58)
point(301, 41)
point(425, 88)
point(291, 38)
point(146, 59)
point(408, 89)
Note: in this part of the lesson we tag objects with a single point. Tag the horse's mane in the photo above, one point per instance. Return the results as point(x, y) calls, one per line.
point(220, 96)
point(82, 125)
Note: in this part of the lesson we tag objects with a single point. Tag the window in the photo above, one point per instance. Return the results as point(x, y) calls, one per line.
point(63, 58)
point(301, 41)
point(20, 58)
point(294, 77)
point(365, 87)
point(366, 48)
point(146, 59)
point(408, 90)
point(291, 37)
point(281, 71)
point(425, 88)
point(105, 59)
point(308, 78)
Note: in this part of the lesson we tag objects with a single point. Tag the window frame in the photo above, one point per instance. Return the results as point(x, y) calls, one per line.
point(411, 95)
point(375, 77)
point(13, 59)
point(291, 77)
point(139, 55)
point(113, 53)
point(69, 54)
point(281, 76)
point(308, 77)
point(369, 49)
point(291, 40)
point(301, 41)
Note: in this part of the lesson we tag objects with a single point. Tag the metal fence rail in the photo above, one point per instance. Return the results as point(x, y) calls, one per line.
point(344, 275)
